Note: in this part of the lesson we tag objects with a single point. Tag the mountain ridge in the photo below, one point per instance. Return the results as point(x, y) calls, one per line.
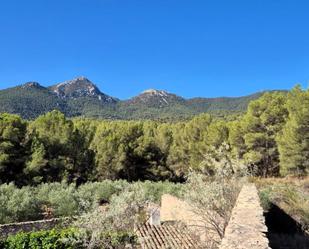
point(81, 97)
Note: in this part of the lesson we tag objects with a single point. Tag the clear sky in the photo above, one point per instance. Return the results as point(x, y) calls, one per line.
point(189, 47)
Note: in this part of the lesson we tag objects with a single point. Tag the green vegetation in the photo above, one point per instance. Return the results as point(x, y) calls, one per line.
point(212, 199)
point(291, 195)
point(294, 138)
point(29, 102)
point(55, 148)
point(63, 200)
point(69, 238)
point(54, 166)
point(52, 239)
point(253, 138)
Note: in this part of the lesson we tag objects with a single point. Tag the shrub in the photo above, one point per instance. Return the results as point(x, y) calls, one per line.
point(120, 238)
point(289, 194)
point(69, 238)
point(64, 201)
point(17, 204)
point(51, 239)
point(212, 199)
point(154, 190)
point(90, 194)
point(116, 224)
point(26, 203)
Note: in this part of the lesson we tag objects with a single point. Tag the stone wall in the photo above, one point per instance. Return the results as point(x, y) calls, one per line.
point(174, 209)
point(246, 228)
point(29, 226)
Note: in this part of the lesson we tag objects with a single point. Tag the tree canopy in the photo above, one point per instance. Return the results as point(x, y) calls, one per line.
point(270, 139)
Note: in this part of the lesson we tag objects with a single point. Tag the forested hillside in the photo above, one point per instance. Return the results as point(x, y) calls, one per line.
point(271, 138)
point(80, 97)
point(29, 101)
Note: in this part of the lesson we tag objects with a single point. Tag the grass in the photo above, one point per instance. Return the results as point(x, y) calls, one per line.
point(290, 194)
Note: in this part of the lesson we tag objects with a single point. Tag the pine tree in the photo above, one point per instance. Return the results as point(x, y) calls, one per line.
point(256, 141)
point(12, 150)
point(293, 141)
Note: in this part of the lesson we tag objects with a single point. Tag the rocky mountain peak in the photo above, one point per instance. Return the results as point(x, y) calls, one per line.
point(31, 84)
point(156, 98)
point(155, 92)
point(79, 87)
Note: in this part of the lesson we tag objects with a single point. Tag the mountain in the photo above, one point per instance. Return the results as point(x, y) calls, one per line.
point(80, 87)
point(155, 98)
point(81, 97)
point(32, 85)
point(77, 97)
point(30, 100)
point(222, 103)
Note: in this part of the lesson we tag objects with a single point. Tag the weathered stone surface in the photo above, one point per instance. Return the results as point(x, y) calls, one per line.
point(246, 228)
point(177, 210)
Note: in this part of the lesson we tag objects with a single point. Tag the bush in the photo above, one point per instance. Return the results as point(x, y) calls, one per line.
point(154, 190)
point(26, 203)
point(265, 198)
point(212, 200)
point(289, 194)
point(90, 194)
point(17, 204)
point(63, 201)
point(51, 239)
point(115, 226)
point(120, 238)
point(69, 238)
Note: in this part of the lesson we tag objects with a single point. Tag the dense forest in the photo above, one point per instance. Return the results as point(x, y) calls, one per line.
point(270, 139)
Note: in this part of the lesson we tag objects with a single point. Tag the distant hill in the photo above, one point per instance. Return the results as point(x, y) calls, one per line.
point(81, 97)
point(155, 98)
point(30, 100)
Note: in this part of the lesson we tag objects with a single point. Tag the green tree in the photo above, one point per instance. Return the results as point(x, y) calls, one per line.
point(58, 150)
point(255, 136)
point(12, 150)
point(294, 139)
point(151, 154)
point(189, 144)
point(115, 145)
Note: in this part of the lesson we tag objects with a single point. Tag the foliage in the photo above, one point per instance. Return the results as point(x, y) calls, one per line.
point(290, 194)
point(12, 155)
point(218, 162)
point(63, 200)
point(212, 199)
point(29, 102)
point(270, 139)
point(294, 138)
point(69, 238)
point(254, 137)
point(124, 211)
point(49, 239)
point(17, 204)
point(58, 151)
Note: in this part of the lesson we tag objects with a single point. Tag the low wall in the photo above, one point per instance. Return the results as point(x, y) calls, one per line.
point(246, 228)
point(29, 226)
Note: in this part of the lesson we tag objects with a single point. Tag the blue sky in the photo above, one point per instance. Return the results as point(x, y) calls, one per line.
point(189, 47)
